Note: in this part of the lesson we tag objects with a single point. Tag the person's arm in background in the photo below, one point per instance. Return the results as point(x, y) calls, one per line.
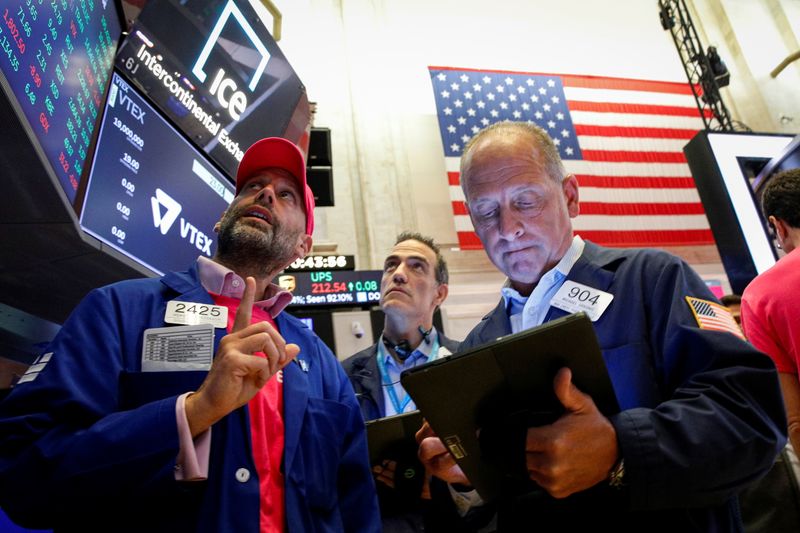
point(765, 338)
point(790, 387)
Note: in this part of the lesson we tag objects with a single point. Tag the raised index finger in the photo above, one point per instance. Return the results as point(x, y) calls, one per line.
point(244, 312)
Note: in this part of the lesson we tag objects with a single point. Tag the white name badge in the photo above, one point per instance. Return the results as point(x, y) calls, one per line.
point(574, 297)
point(191, 313)
point(178, 348)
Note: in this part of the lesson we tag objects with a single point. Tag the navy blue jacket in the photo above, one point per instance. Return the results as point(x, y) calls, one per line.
point(701, 411)
point(91, 443)
point(362, 368)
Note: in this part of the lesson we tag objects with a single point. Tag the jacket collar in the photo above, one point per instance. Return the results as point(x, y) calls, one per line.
point(590, 269)
point(366, 379)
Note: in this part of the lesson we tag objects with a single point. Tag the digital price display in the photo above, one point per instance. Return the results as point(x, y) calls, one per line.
point(151, 195)
point(57, 56)
point(344, 287)
point(323, 262)
point(213, 68)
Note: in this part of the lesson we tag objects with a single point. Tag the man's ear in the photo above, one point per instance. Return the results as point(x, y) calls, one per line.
point(441, 294)
point(570, 188)
point(780, 228)
point(218, 225)
point(304, 243)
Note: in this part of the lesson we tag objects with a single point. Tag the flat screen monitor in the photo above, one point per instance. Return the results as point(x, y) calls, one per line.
point(724, 166)
point(333, 287)
point(213, 68)
point(150, 194)
point(57, 59)
point(788, 159)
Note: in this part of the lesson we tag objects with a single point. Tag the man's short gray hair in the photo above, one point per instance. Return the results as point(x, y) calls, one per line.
point(540, 142)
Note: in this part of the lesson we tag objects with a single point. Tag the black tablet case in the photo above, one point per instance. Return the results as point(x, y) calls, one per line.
point(502, 388)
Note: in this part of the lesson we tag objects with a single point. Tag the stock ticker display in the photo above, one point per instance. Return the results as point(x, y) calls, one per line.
point(151, 195)
point(326, 287)
point(57, 58)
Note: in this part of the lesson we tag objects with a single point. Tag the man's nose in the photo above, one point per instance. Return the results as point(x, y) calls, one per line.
point(399, 275)
point(509, 225)
point(266, 194)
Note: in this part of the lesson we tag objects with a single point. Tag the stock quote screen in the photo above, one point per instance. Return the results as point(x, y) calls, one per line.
point(57, 57)
point(151, 195)
point(327, 287)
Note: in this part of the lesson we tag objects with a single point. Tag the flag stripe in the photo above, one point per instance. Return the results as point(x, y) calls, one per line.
point(636, 120)
point(597, 142)
point(638, 109)
point(610, 169)
point(640, 209)
point(649, 133)
point(468, 240)
point(663, 237)
point(621, 209)
point(623, 96)
point(633, 182)
point(620, 223)
point(620, 195)
point(627, 84)
point(639, 223)
point(629, 156)
point(613, 168)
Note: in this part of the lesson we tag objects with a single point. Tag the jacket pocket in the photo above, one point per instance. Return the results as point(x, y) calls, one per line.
point(139, 388)
point(324, 429)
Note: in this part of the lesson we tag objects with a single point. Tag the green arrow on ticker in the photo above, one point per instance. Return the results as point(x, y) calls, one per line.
point(350, 286)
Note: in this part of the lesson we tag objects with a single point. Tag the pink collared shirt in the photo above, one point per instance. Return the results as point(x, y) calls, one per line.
point(192, 461)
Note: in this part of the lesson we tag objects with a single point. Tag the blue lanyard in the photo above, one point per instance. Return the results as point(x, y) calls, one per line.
point(387, 381)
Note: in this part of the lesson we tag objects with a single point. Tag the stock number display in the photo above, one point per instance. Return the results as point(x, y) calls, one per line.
point(327, 287)
point(323, 262)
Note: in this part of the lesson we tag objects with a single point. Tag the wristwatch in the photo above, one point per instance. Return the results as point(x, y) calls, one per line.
point(616, 477)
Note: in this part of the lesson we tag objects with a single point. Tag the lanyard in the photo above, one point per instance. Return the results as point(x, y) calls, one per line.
point(399, 407)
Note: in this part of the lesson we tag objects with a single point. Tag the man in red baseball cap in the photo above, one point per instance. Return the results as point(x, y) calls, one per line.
point(288, 449)
point(275, 152)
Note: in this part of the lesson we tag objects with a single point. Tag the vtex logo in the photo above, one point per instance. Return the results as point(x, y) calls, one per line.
point(171, 210)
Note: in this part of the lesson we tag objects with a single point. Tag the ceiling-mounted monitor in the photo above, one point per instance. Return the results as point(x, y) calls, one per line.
point(724, 167)
point(151, 195)
point(214, 69)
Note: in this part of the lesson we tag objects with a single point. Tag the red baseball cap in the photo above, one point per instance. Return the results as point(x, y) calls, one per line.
point(276, 152)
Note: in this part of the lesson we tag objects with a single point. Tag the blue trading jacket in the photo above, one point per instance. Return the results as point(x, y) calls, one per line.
point(362, 368)
point(701, 411)
point(91, 443)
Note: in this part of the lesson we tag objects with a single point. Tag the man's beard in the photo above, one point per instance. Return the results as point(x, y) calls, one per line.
point(254, 248)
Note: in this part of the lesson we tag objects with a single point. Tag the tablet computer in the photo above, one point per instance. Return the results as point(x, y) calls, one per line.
point(480, 402)
point(385, 435)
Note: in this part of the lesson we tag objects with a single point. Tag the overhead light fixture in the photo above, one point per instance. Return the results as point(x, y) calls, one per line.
point(718, 67)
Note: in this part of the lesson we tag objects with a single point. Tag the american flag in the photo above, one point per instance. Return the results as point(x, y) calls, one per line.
point(710, 315)
point(622, 138)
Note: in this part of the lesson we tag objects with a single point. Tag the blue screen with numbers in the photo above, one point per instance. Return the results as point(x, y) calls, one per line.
point(150, 194)
point(57, 58)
